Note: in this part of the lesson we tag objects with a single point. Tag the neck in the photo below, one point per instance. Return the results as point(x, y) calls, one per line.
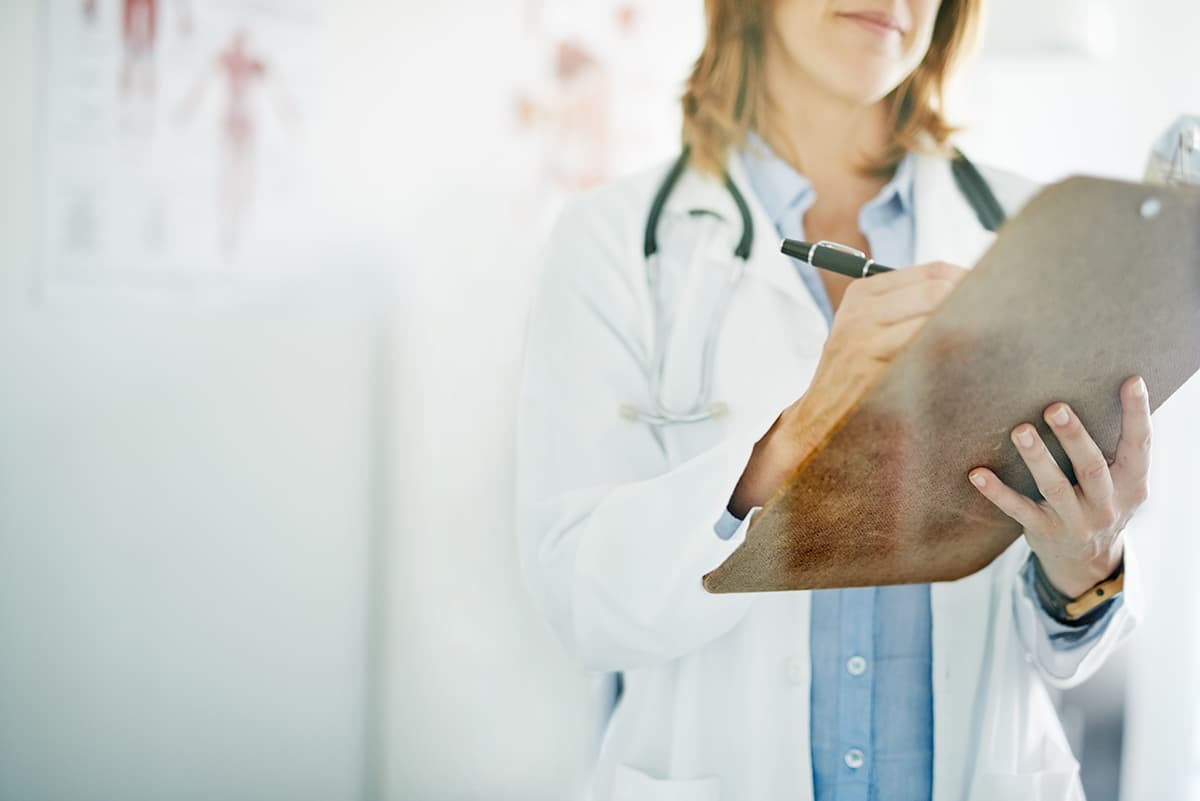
point(819, 134)
point(830, 140)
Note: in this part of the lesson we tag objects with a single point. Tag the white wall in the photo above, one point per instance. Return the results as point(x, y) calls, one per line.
point(1048, 115)
point(1162, 724)
point(184, 525)
point(263, 549)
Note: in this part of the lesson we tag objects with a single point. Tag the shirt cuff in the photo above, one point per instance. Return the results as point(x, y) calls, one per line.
point(1063, 637)
point(727, 526)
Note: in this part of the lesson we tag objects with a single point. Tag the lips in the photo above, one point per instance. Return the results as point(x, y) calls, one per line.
point(879, 20)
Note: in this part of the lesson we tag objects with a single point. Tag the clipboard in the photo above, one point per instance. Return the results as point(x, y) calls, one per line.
point(1093, 281)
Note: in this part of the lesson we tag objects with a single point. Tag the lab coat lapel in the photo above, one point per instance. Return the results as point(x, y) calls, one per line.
point(948, 230)
point(697, 190)
point(765, 260)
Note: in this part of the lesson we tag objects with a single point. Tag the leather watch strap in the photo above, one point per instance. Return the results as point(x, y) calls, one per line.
point(1084, 609)
point(1104, 591)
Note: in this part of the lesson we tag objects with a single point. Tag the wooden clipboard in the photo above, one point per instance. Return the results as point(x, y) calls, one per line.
point(1093, 281)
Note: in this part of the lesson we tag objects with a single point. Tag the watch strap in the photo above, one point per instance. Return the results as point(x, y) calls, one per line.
point(1083, 610)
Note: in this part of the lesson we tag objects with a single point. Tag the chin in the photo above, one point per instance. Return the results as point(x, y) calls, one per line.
point(864, 87)
point(865, 79)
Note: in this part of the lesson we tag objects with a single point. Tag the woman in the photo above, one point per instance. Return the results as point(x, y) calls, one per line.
point(826, 114)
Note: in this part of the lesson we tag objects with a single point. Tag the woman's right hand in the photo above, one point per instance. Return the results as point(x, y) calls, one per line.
point(874, 321)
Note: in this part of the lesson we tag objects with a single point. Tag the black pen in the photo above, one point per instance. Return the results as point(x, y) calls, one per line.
point(834, 257)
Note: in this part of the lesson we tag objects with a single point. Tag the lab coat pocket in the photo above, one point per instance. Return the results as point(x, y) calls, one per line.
point(631, 784)
point(1042, 785)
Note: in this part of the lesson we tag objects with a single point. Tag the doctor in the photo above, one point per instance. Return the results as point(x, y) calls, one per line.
point(819, 119)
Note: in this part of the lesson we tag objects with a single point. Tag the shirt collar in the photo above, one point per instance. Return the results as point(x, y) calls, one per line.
point(785, 192)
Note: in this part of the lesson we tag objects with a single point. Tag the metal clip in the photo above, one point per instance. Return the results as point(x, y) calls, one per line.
point(825, 243)
point(840, 248)
point(1188, 144)
point(1175, 157)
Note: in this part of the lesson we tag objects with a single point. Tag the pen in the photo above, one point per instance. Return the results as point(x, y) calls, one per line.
point(833, 257)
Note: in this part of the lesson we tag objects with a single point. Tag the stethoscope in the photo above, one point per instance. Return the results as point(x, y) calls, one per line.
point(968, 178)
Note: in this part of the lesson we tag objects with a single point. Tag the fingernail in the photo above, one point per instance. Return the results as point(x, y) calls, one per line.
point(1024, 438)
point(1139, 388)
point(978, 480)
point(1060, 416)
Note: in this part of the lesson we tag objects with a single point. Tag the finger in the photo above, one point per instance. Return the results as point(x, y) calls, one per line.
point(890, 340)
point(1008, 500)
point(1054, 486)
point(884, 283)
point(1131, 466)
point(916, 300)
point(1091, 468)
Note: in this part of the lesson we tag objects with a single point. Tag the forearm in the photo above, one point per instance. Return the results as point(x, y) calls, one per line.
point(795, 434)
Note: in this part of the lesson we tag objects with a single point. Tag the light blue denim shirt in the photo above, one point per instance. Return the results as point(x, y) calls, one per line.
point(872, 695)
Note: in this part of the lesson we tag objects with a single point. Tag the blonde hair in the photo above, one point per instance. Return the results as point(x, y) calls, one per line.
point(724, 93)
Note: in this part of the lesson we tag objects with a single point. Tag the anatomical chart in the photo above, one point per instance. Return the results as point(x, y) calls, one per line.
point(174, 138)
point(598, 93)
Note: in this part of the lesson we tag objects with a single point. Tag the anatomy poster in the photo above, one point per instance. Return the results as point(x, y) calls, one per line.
point(600, 87)
point(174, 137)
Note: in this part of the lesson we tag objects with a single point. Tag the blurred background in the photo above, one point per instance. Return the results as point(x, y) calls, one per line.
point(264, 266)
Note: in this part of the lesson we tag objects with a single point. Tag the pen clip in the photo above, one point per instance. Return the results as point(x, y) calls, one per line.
point(825, 243)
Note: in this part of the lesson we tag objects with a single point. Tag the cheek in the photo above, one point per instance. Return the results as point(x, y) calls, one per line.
point(924, 16)
point(914, 54)
point(796, 37)
point(794, 21)
point(918, 45)
point(924, 12)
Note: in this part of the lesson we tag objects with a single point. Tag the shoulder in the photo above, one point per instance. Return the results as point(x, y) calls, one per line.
point(605, 223)
point(613, 209)
point(936, 177)
point(1011, 189)
point(594, 247)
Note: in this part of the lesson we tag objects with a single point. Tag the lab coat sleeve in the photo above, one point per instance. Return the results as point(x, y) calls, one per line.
point(613, 540)
point(1062, 636)
point(1065, 664)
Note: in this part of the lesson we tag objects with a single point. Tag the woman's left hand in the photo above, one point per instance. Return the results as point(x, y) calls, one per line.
point(1076, 530)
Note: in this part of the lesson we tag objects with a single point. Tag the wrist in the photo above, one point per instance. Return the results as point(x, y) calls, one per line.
point(1073, 576)
point(1081, 610)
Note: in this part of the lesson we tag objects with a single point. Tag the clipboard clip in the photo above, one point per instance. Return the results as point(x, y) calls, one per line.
point(1186, 148)
point(1175, 159)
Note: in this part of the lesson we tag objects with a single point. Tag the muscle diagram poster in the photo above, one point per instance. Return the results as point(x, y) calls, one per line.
point(598, 89)
point(174, 134)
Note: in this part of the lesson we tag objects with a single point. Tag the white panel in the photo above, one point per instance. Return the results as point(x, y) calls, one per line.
point(182, 536)
point(183, 527)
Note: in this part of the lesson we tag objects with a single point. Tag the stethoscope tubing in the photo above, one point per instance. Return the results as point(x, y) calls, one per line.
point(967, 177)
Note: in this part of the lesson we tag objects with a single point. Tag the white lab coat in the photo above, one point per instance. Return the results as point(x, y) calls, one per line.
point(615, 520)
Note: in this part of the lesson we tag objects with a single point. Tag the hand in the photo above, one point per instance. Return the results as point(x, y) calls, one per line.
point(1076, 531)
point(876, 318)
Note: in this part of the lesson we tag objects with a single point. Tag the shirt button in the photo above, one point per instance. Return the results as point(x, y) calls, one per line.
point(797, 671)
point(856, 666)
point(854, 759)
